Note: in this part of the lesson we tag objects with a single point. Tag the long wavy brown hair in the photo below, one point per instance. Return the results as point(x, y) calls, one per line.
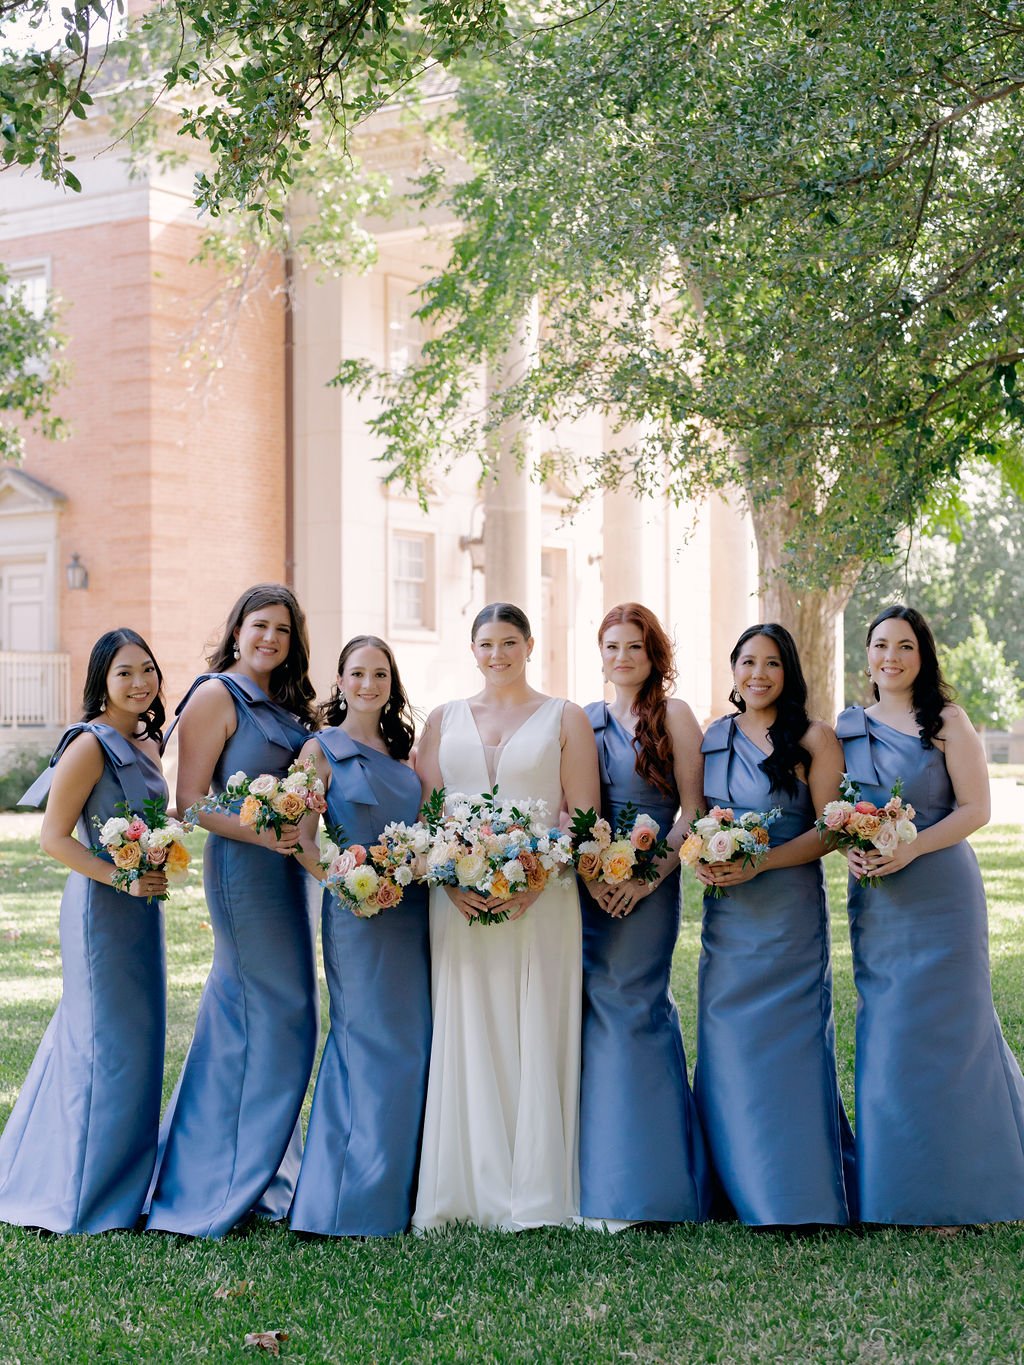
point(289, 683)
point(654, 758)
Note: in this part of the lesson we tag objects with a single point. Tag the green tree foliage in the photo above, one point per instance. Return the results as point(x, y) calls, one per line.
point(985, 683)
point(30, 376)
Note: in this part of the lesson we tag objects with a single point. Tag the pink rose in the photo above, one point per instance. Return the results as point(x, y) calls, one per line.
point(886, 838)
point(156, 856)
point(835, 819)
point(136, 829)
point(642, 838)
point(316, 803)
point(721, 846)
point(359, 853)
point(721, 813)
point(343, 864)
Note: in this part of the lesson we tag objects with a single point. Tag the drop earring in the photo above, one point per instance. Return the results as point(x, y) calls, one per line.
point(236, 651)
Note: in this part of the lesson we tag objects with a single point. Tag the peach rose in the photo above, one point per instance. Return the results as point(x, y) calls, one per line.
point(289, 805)
point(866, 808)
point(536, 879)
point(617, 869)
point(642, 838)
point(721, 813)
point(359, 853)
point(178, 858)
point(157, 856)
point(127, 857)
point(316, 802)
point(691, 849)
point(864, 826)
point(378, 853)
point(388, 894)
point(589, 866)
point(250, 811)
point(499, 886)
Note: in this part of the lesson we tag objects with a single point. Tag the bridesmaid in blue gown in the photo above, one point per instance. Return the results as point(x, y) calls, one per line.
point(765, 1081)
point(940, 1098)
point(642, 1156)
point(358, 1175)
point(78, 1150)
point(232, 1141)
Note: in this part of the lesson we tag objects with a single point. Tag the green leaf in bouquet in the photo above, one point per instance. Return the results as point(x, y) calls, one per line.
point(432, 810)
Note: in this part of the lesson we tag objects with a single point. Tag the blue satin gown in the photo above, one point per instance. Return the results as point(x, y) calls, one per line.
point(78, 1150)
point(231, 1138)
point(642, 1155)
point(358, 1175)
point(940, 1098)
point(765, 1081)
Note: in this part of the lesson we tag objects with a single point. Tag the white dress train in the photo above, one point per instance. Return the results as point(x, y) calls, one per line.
point(500, 1139)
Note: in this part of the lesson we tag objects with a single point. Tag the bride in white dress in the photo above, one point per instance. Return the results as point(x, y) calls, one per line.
point(500, 1139)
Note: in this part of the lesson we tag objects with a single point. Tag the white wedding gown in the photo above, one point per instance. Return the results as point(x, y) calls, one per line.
point(500, 1139)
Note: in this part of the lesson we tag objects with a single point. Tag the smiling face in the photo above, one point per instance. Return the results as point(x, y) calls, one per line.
point(501, 652)
point(264, 639)
point(758, 674)
point(132, 681)
point(624, 658)
point(366, 680)
point(894, 656)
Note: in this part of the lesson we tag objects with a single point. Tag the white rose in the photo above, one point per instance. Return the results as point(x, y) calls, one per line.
point(264, 785)
point(294, 782)
point(403, 876)
point(112, 830)
point(705, 826)
point(470, 869)
point(721, 846)
point(514, 871)
point(906, 831)
point(647, 822)
point(235, 781)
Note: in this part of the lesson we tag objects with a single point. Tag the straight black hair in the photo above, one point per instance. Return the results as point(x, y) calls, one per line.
point(94, 695)
point(791, 719)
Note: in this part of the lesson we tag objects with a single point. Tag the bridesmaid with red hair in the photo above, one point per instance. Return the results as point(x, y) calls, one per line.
point(642, 1156)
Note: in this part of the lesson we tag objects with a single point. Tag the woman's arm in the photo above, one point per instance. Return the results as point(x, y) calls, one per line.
point(428, 758)
point(206, 725)
point(78, 770)
point(968, 772)
point(308, 852)
point(823, 779)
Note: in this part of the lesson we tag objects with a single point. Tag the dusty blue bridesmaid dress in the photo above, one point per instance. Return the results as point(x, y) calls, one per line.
point(231, 1138)
point(765, 1081)
point(358, 1175)
point(642, 1156)
point(78, 1150)
point(940, 1098)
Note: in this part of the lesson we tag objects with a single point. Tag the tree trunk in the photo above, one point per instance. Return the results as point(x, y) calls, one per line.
point(809, 614)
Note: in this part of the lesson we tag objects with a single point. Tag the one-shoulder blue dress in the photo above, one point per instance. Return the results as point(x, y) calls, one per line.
point(78, 1150)
point(940, 1098)
point(642, 1156)
point(231, 1137)
point(358, 1175)
point(765, 1080)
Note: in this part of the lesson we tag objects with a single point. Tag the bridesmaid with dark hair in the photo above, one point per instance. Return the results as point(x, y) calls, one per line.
point(359, 1167)
point(232, 1137)
point(765, 1081)
point(642, 1156)
point(940, 1098)
point(78, 1150)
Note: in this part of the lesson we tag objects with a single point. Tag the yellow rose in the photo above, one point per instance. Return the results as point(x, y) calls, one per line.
point(178, 858)
point(499, 886)
point(128, 856)
point(618, 869)
point(692, 848)
point(249, 812)
point(289, 805)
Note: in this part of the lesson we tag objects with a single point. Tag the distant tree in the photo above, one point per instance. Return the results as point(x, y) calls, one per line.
point(30, 372)
point(986, 685)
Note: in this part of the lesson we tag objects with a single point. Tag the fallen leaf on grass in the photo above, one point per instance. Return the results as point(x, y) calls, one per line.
point(204, 924)
point(232, 1291)
point(266, 1341)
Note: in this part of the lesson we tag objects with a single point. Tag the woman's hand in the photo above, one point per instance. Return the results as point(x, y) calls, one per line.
point(727, 874)
point(469, 903)
point(868, 862)
point(287, 843)
point(622, 899)
point(151, 883)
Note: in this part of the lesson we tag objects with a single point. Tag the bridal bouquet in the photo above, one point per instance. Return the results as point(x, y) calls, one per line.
point(367, 882)
point(719, 837)
point(495, 847)
point(853, 823)
point(269, 802)
point(601, 853)
point(151, 842)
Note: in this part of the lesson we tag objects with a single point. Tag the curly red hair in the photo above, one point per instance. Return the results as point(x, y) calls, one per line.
point(654, 759)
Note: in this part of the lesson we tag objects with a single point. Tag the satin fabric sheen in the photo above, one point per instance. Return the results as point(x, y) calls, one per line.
point(500, 1132)
point(231, 1137)
point(765, 1081)
point(78, 1150)
point(359, 1166)
point(940, 1098)
point(642, 1155)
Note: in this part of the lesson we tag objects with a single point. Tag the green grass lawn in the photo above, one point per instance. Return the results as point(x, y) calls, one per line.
point(712, 1293)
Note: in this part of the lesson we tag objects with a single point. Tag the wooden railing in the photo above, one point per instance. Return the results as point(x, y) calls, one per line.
point(35, 689)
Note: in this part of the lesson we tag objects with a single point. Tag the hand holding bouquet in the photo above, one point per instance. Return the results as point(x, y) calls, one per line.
point(495, 848)
point(269, 802)
point(367, 882)
point(719, 837)
point(853, 823)
point(611, 856)
point(150, 842)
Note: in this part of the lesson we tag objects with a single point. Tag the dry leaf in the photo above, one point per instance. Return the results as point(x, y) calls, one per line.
point(266, 1341)
point(204, 924)
point(232, 1291)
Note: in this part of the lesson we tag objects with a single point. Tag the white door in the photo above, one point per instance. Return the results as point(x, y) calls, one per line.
point(27, 682)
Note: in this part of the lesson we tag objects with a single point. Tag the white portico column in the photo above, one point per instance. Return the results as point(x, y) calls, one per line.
point(512, 499)
point(634, 563)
